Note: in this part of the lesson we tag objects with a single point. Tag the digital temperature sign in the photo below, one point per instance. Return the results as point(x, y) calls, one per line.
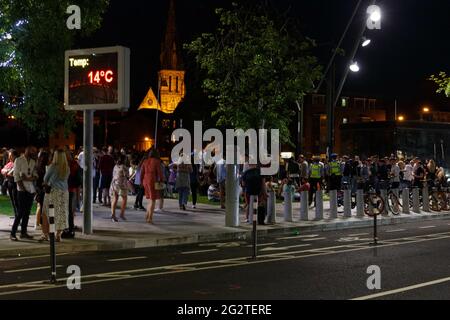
point(97, 79)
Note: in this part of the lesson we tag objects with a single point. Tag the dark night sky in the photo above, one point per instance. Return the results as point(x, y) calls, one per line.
point(413, 43)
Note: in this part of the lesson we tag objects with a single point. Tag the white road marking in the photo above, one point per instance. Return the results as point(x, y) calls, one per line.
point(199, 251)
point(285, 248)
point(31, 257)
point(396, 230)
point(358, 234)
point(409, 288)
point(262, 244)
point(206, 265)
point(299, 237)
point(427, 227)
point(315, 239)
point(126, 259)
point(29, 269)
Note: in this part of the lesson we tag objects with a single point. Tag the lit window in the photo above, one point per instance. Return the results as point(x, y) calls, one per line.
point(345, 121)
point(344, 102)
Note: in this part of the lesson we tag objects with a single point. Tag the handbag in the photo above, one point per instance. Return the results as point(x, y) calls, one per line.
point(160, 185)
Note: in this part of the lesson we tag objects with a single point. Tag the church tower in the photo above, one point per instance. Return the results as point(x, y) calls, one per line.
point(171, 75)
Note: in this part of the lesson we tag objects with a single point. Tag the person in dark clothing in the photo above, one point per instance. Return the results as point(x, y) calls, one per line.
point(74, 182)
point(255, 186)
point(139, 189)
point(195, 182)
point(96, 184)
point(383, 174)
point(42, 162)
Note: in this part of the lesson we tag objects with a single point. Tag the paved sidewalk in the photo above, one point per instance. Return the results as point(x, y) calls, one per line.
point(173, 226)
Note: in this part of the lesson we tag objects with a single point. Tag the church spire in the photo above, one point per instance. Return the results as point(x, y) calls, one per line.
point(170, 56)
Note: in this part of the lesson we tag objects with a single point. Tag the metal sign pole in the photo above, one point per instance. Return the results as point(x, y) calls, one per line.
point(88, 134)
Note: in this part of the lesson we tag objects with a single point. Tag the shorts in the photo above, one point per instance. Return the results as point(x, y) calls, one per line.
point(105, 181)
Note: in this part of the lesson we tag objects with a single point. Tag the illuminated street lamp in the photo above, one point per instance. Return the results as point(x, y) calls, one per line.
point(365, 42)
point(354, 67)
point(401, 118)
point(375, 16)
point(425, 111)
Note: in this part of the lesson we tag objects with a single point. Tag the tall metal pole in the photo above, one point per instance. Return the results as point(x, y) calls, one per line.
point(339, 45)
point(330, 111)
point(352, 57)
point(157, 111)
point(88, 134)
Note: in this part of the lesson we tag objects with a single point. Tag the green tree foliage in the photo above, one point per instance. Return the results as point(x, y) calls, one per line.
point(255, 68)
point(443, 82)
point(33, 38)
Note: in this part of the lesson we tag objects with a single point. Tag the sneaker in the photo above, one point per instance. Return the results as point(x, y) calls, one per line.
point(26, 236)
point(184, 207)
point(142, 208)
point(194, 207)
point(13, 238)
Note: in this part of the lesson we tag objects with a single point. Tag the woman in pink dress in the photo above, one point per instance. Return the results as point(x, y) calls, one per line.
point(150, 174)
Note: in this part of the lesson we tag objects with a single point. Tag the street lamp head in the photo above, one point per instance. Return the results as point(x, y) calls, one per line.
point(365, 42)
point(354, 67)
point(401, 118)
point(375, 16)
point(426, 109)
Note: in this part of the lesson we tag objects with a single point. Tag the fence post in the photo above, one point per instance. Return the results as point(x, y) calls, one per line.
point(333, 204)
point(360, 203)
point(348, 203)
point(319, 205)
point(383, 194)
point(254, 200)
point(416, 202)
point(405, 200)
point(271, 208)
point(52, 230)
point(304, 210)
point(288, 206)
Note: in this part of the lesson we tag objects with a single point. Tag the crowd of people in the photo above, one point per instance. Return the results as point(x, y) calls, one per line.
point(375, 172)
point(55, 178)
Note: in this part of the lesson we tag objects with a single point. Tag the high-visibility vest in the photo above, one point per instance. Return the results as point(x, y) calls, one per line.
point(335, 168)
point(315, 171)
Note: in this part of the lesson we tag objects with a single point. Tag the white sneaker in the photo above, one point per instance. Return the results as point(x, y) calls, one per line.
point(194, 207)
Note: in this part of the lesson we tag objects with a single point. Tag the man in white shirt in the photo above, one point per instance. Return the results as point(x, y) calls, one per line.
point(408, 175)
point(395, 174)
point(25, 175)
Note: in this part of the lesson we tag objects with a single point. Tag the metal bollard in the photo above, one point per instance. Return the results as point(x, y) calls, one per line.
point(333, 204)
point(383, 195)
point(304, 211)
point(405, 201)
point(425, 197)
point(254, 200)
point(288, 206)
point(416, 202)
point(52, 229)
point(360, 203)
point(348, 203)
point(319, 205)
point(271, 209)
